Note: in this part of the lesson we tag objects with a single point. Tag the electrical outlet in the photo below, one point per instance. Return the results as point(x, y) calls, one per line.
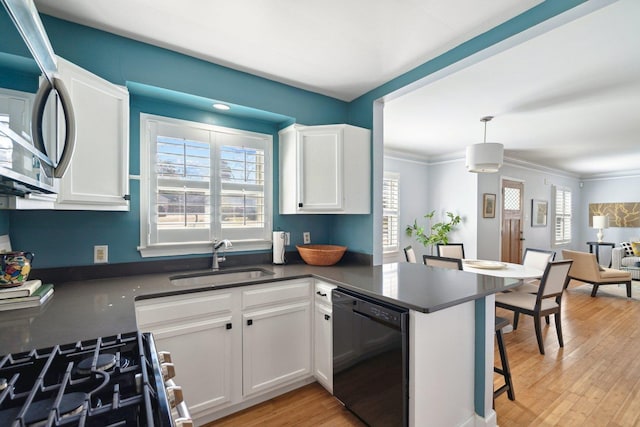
point(100, 254)
point(287, 238)
point(306, 237)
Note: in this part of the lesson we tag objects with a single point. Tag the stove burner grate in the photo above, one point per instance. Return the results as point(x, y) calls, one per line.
point(109, 381)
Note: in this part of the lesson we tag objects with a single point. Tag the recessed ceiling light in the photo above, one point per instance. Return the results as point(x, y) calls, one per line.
point(223, 107)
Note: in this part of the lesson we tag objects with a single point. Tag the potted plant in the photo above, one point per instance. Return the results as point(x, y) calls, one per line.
point(437, 233)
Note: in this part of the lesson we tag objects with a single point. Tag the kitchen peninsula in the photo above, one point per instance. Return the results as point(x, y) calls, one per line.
point(451, 325)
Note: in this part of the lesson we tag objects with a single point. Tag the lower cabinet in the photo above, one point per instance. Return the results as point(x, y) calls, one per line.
point(323, 366)
point(202, 354)
point(233, 345)
point(323, 335)
point(276, 346)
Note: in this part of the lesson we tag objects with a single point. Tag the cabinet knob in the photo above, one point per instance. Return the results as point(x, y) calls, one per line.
point(321, 294)
point(327, 317)
point(249, 322)
point(183, 422)
point(164, 357)
point(168, 370)
point(174, 393)
point(299, 205)
point(229, 325)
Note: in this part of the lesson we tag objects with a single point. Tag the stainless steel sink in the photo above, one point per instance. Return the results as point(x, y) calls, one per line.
point(219, 277)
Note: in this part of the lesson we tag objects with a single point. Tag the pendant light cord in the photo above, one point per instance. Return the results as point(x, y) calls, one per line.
point(485, 120)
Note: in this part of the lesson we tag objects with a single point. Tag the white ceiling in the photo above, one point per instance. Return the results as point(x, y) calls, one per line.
point(340, 48)
point(568, 99)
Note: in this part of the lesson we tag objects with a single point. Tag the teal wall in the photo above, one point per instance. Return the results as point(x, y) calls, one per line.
point(66, 238)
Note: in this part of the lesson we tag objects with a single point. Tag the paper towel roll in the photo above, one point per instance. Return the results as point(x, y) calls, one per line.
point(278, 247)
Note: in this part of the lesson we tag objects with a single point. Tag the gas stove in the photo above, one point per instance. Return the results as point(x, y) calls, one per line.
point(109, 381)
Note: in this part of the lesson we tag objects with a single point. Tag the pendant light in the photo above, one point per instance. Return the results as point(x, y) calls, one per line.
point(485, 157)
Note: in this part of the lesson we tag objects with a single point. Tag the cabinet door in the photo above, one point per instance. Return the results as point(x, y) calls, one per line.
point(276, 346)
point(320, 169)
point(97, 178)
point(323, 365)
point(202, 354)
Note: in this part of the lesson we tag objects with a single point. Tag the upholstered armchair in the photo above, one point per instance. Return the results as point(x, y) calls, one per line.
point(586, 269)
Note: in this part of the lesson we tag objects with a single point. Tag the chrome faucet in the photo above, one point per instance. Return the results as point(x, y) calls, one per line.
point(216, 246)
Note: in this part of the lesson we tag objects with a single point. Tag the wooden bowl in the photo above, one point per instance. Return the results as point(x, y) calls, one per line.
point(321, 254)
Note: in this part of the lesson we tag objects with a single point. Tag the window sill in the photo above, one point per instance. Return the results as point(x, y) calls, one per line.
point(201, 248)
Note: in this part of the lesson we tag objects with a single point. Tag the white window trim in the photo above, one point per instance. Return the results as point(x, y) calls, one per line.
point(390, 253)
point(558, 243)
point(193, 248)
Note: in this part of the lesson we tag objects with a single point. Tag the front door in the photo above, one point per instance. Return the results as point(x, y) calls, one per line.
point(512, 212)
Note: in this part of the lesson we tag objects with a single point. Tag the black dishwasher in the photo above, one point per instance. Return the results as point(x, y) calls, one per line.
point(371, 358)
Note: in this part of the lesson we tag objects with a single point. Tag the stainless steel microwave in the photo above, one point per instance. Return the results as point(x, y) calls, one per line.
point(30, 161)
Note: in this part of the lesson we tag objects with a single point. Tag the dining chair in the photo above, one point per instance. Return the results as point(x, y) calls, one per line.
point(442, 262)
point(546, 302)
point(409, 254)
point(451, 250)
point(535, 258)
point(504, 369)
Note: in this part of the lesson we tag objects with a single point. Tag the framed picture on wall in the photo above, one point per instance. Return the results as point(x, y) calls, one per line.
point(488, 205)
point(538, 213)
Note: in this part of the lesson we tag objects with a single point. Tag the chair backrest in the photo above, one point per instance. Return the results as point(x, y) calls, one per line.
point(451, 250)
point(555, 278)
point(409, 254)
point(585, 265)
point(442, 262)
point(537, 258)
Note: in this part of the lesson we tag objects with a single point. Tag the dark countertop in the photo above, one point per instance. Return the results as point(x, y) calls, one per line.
point(102, 307)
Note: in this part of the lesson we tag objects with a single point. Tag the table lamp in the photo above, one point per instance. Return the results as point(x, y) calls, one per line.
point(600, 222)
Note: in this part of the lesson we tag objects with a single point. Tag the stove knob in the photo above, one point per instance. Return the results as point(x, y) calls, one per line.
point(183, 422)
point(168, 371)
point(164, 357)
point(174, 393)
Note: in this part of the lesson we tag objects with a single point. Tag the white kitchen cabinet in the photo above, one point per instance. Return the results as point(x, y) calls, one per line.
point(323, 335)
point(200, 331)
point(276, 346)
point(325, 169)
point(224, 363)
point(276, 334)
point(98, 176)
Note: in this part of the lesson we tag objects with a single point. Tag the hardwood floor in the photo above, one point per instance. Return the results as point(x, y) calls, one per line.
point(308, 406)
point(593, 381)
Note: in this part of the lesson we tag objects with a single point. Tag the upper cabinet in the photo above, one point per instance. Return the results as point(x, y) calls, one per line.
point(98, 176)
point(325, 170)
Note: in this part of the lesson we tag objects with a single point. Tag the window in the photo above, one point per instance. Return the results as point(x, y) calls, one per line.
point(201, 182)
point(562, 230)
point(390, 207)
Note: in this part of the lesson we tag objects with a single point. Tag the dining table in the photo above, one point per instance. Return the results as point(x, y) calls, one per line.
point(501, 269)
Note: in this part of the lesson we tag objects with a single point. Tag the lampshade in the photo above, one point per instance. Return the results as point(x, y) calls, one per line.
point(600, 221)
point(486, 157)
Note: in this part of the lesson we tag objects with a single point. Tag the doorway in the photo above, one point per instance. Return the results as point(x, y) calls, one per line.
point(512, 217)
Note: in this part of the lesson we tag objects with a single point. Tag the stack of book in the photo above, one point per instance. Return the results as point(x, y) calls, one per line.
point(31, 293)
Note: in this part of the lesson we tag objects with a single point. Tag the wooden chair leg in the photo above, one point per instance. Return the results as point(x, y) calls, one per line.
point(559, 328)
point(516, 316)
point(594, 290)
point(536, 322)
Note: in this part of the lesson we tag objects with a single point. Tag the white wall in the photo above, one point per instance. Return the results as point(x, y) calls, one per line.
point(537, 185)
point(449, 187)
point(453, 189)
point(413, 191)
point(609, 190)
